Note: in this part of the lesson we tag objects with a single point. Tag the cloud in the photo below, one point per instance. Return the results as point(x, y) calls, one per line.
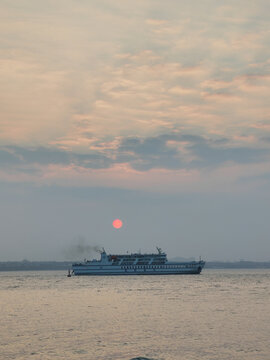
point(133, 88)
point(130, 70)
point(19, 156)
point(149, 153)
point(157, 152)
point(174, 151)
point(8, 158)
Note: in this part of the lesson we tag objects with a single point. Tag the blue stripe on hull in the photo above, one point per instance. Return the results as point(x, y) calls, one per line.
point(136, 273)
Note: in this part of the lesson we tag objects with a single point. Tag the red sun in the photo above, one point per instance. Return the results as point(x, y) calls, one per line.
point(117, 223)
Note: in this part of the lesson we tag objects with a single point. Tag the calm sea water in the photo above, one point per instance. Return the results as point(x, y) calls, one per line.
point(220, 314)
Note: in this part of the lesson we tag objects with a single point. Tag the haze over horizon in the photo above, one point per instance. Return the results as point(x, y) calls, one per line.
point(154, 113)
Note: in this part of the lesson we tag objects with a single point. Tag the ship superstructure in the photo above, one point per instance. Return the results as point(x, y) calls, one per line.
point(136, 264)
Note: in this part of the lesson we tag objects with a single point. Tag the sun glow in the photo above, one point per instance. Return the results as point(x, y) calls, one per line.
point(117, 223)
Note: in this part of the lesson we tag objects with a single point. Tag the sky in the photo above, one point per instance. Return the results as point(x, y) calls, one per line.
point(153, 112)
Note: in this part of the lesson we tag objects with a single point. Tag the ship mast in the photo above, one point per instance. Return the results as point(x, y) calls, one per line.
point(159, 250)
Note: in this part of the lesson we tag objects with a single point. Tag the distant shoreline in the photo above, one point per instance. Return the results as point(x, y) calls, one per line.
point(64, 265)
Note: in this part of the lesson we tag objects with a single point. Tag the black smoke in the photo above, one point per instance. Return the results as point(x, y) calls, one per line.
point(80, 249)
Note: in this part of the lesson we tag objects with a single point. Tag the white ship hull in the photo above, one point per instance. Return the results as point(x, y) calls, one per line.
point(168, 269)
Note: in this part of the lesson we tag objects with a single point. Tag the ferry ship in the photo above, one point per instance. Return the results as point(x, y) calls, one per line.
point(136, 264)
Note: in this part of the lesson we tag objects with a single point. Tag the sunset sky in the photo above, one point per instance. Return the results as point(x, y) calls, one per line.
point(153, 112)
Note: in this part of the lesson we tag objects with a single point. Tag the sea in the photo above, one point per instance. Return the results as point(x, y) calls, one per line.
point(220, 314)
